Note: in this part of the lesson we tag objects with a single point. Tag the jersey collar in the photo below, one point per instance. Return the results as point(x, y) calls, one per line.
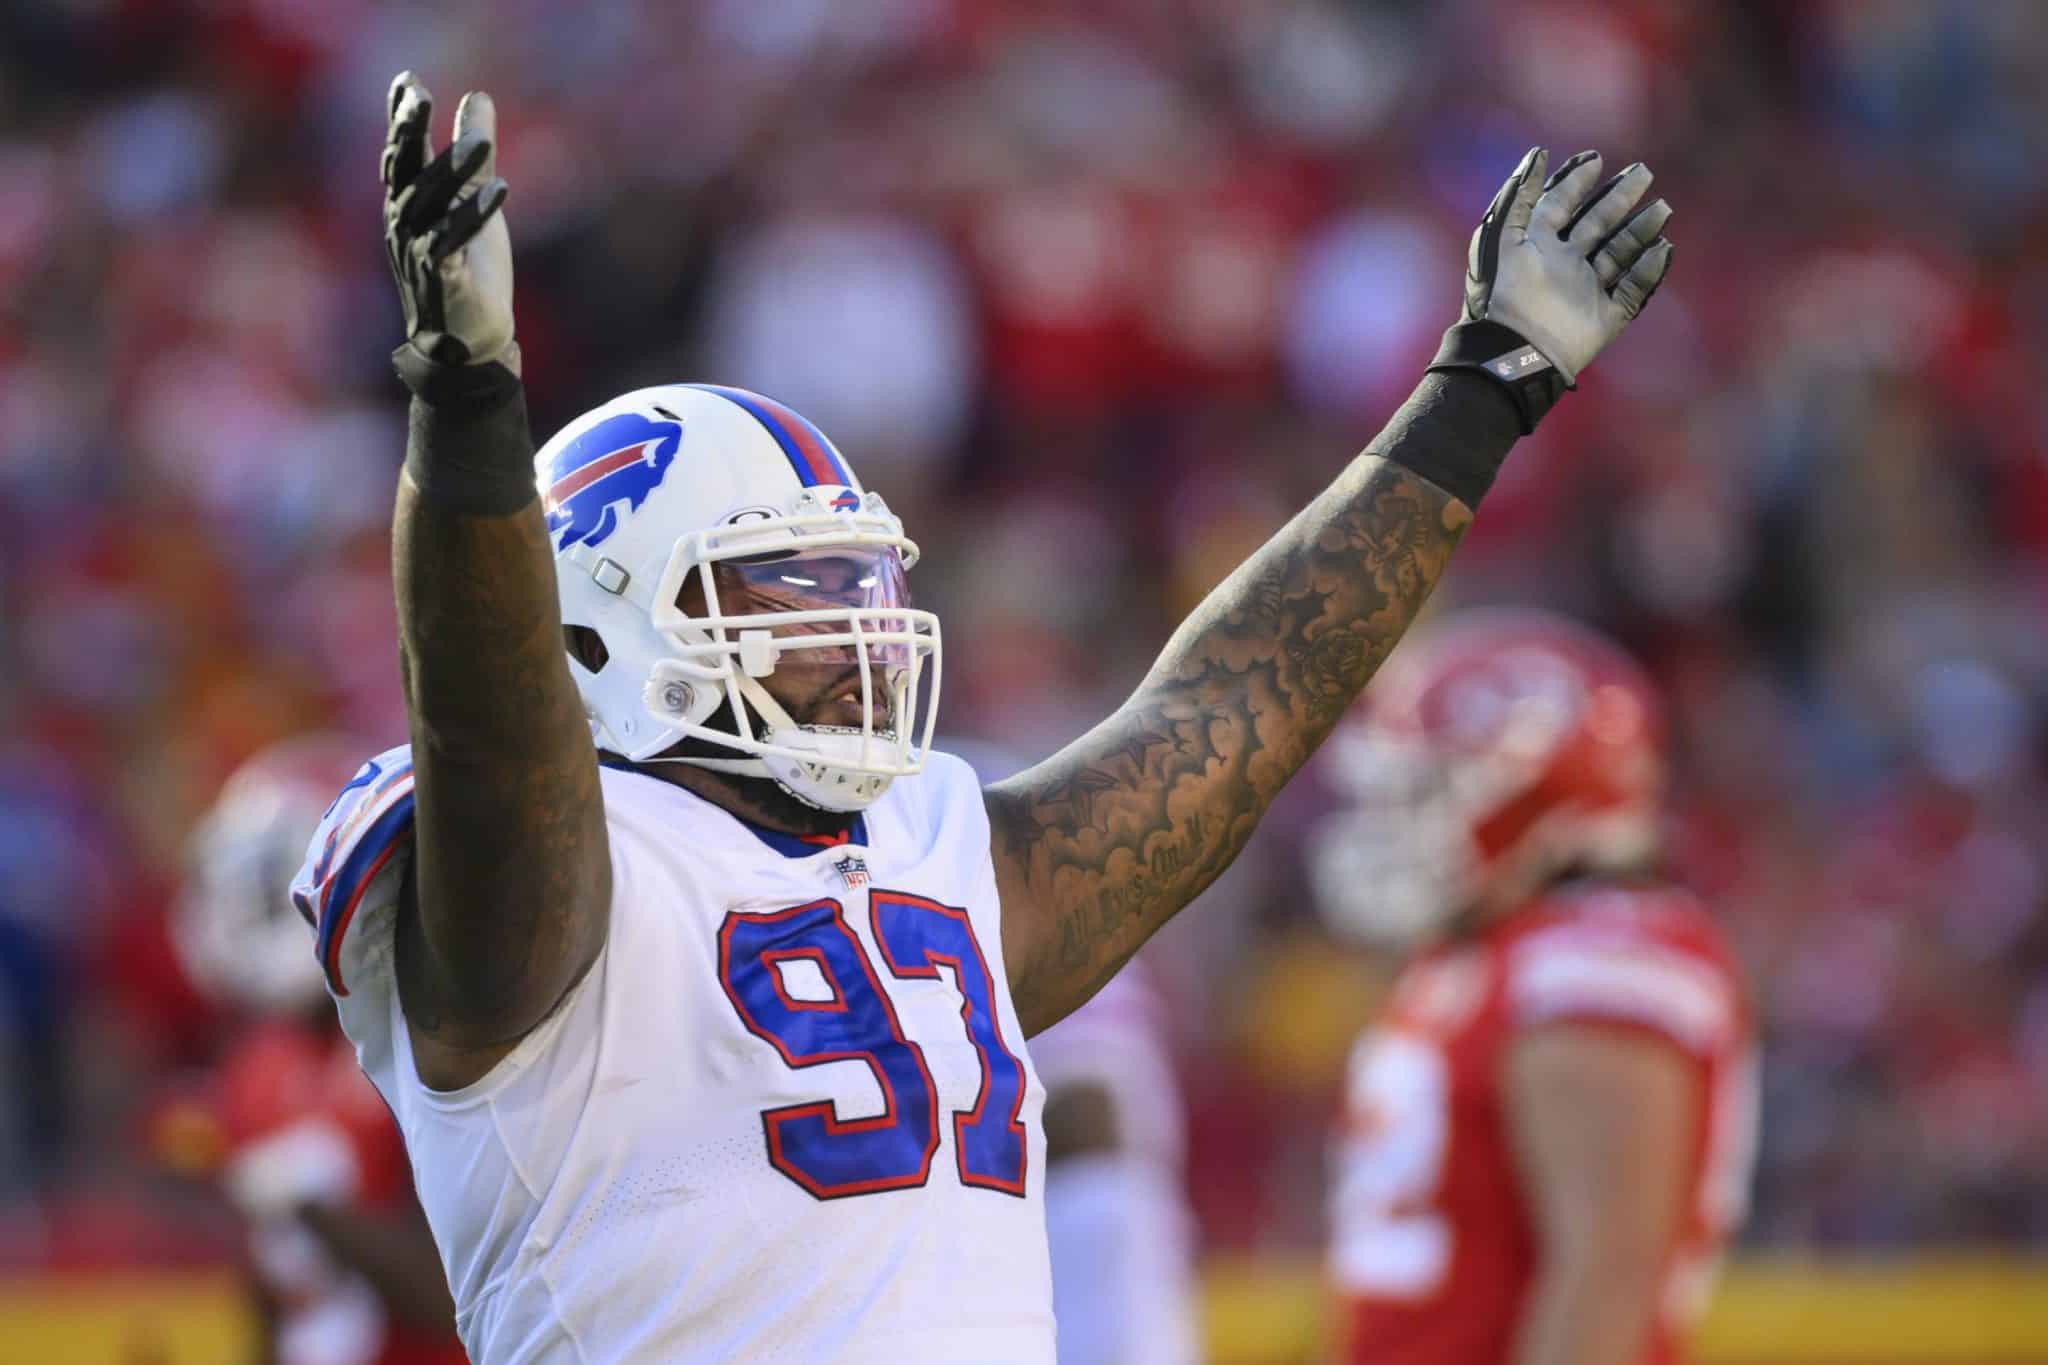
point(788, 845)
point(804, 845)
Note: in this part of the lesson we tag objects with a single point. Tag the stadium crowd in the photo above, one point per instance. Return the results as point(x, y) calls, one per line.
point(1096, 294)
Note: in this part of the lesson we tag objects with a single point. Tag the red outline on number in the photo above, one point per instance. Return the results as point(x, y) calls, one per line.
point(964, 1117)
point(772, 1119)
point(774, 957)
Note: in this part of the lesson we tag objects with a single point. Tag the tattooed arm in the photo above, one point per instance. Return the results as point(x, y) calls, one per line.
point(509, 893)
point(1101, 844)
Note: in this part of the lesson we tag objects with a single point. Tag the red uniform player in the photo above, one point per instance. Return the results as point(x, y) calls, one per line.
point(342, 1268)
point(1548, 1137)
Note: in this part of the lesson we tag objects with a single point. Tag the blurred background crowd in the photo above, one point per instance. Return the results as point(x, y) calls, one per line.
point(1096, 294)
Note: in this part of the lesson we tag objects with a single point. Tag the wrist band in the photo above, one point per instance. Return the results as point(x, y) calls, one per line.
point(1502, 355)
point(467, 444)
point(1454, 430)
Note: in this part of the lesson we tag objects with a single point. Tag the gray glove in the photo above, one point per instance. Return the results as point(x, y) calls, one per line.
point(1556, 269)
point(446, 238)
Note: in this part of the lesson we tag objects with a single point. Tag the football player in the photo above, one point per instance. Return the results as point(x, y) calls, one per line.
point(1116, 1211)
point(1548, 1138)
point(698, 984)
point(1117, 1221)
point(343, 1267)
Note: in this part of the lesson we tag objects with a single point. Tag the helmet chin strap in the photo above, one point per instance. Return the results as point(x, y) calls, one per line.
point(821, 784)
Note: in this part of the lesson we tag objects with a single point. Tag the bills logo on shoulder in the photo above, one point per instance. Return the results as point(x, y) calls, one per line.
point(847, 501)
point(620, 460)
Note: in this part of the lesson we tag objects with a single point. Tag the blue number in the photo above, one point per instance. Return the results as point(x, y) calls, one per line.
point(918, 936)
point(809, 1143)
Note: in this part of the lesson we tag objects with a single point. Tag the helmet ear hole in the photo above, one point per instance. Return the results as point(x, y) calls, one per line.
point(586, 647)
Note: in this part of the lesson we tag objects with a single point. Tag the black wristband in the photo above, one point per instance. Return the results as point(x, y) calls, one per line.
point(467, 444)
point(449, 381)
point(1454, 430)
point(1501, 354)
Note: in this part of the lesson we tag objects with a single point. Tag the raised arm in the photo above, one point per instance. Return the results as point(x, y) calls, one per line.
point(1101, 844)
point(511, 878)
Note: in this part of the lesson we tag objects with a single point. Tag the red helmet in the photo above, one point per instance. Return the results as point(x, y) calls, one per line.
point(1492, 753)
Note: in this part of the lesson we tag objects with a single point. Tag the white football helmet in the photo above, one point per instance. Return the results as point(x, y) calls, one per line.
point(232, 924)
point(709, 536)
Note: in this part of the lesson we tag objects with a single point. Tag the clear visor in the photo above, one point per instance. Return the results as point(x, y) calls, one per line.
point(807, 594)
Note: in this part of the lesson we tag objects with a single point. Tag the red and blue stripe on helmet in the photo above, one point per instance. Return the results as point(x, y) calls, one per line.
point(814, 458)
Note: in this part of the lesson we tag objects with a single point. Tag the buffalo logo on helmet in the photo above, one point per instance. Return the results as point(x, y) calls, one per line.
point(622, 459)
point(847, 501)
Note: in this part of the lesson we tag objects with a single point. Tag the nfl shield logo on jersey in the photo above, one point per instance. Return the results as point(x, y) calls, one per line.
point(853, 870)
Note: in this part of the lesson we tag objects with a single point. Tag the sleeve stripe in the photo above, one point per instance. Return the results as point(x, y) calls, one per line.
point(369, 776)
point(1660, 990)
point(340, 895)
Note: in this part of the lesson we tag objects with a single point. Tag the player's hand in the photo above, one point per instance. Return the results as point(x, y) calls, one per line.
point(311, 1162)
point(1569, 261)
point(445, 235)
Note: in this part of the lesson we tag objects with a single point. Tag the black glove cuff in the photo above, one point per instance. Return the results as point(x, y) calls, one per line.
point(467, 444)
point(1502, 355)
point(433, 366)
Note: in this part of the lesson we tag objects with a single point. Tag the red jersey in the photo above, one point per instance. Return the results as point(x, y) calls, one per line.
point(1432, 1250)
point(301, 1121)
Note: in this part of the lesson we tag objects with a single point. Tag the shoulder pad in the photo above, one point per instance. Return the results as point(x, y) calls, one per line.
point(352, 848)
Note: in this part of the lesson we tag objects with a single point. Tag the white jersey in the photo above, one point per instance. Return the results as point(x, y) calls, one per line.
point(1121, 1234)
point(787, 1116)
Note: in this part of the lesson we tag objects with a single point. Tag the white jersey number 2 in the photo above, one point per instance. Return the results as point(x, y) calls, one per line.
point(1389, 1162)
point(834, 1158)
